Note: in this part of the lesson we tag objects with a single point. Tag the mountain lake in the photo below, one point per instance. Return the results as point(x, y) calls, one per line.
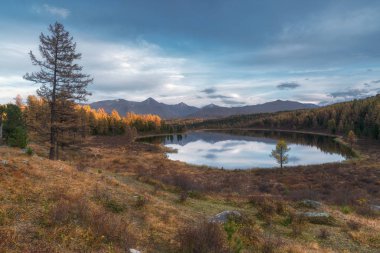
point(248, 149)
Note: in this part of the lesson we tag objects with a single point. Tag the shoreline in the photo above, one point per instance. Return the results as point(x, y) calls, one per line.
point(336, 138)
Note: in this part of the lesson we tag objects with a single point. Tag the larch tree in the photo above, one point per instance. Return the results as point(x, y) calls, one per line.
point(351, 138)
point(19, 101)
point(280, 153)
point(61, 78)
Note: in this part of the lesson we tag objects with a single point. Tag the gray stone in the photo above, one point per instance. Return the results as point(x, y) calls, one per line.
point(224, 216)
point(134, 251)
point(318, 217)
point(375, 208)
point(316, 214)
point(311, 203)
point(4, 162)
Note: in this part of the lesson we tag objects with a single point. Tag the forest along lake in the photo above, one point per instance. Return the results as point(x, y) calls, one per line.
point(249, 149)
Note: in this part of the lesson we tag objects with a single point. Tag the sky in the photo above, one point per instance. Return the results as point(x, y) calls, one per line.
point(230, 53)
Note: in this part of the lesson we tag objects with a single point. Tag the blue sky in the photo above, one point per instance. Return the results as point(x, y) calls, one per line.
point(224, 52)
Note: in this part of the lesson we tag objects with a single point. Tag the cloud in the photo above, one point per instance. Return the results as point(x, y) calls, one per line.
point(376, 81)
point(210, 156)
point(135, 68)
point(285, 86)
point(338, 34)
point(355, 93)
point(351, 93)
point(209, 90)
point(52, 10)
point(226, 100)
point(232, 102)
point(218, 96)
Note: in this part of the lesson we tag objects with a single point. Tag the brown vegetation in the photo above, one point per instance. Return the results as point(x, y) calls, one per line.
point(112, 194)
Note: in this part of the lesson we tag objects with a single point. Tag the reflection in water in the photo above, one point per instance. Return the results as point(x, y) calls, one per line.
point(249, 149)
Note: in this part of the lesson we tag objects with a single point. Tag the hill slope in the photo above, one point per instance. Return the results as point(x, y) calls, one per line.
point(111, 196)
point(214, 111)
point(361, 116)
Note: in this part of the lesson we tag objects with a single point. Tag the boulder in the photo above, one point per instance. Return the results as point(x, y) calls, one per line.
point(311, 203)
point(318, 217)
point(375, 208)
point(225, 216)
point(134, 251)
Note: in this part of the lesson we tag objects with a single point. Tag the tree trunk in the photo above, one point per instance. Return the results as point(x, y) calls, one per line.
point(56, 151)
point(53, 128)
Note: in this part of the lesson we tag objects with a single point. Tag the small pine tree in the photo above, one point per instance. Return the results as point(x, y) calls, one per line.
point(280, 153)
point(18, 137)
point(14, 127)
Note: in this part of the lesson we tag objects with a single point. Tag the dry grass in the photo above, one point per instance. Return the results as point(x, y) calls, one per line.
point(108, 196)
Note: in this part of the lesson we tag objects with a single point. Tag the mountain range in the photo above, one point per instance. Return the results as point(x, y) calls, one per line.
point(182, 110)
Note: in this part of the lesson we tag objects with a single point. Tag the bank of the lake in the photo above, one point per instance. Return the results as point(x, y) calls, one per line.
point(246, 149)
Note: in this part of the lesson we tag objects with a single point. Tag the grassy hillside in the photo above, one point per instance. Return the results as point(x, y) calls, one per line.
point(110, 196)
point(361, 116)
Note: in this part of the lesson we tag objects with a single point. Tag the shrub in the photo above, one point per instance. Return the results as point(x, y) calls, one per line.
point(353, 225)
point(204, 237)
point(114, 206)
point(183, 182)
point(69, 208)
point(81, 167)
point(287, 221)
point(78, 210)
point(270, 244)
point(234, 241)
point(112, 227)
point(266, 207)
point(140, 201)
point(106, 199)
point(29, 151)
point(323, 234)
point(346, 209)
point(365, 210)
point(265, 187)
point(298, 224)
point(183, 196)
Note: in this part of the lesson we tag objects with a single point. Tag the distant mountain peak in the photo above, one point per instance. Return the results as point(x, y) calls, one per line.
point(211, 106)
point(150, 100)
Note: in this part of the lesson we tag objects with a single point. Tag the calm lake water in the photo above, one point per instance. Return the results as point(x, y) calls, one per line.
point(249, 149)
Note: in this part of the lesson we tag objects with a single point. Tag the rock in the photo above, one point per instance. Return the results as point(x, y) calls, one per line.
point(318, 217)
point(134, 251)
point(4, 162)
point(311, 203)
point(224, 216)
point(375, 208)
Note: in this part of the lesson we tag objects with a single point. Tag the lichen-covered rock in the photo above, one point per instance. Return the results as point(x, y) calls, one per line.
point(318, 217)
point(225, 216)
point(310, 203)
point(375, 208)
